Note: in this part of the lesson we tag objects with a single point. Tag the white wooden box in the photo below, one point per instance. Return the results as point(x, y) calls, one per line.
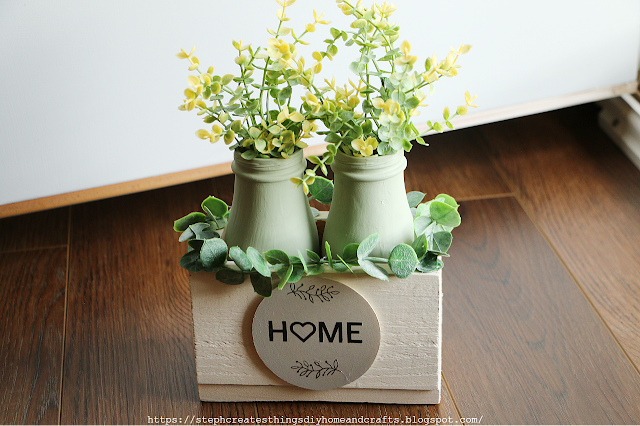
point(405, 371)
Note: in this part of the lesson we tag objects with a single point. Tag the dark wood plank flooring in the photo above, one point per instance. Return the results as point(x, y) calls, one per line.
point(541, 294)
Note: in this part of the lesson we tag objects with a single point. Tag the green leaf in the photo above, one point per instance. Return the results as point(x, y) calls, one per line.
point(313, 256)
point(444, 214)
point(403, 260)
point(195, 245)
point(191, 261)
point(315, 270)
point(258, 262)
point(240, 258)
point(304, 263)
point(406, 145)
point(186, 235)
point(442, 241)
point(213, 253)
point(419, 245)
point(429, 263)
point(276, 257)
point(367, 246)
point(203, 231)
point(261, 284)
point(322, 190)
point(447, 199)
point(350, 253)
point(414, 198)
point(285, 94)
point(328, 250)
point(332, 149)
point(332, 138)
point(420, 224)
point(357, 67)
point(229, 276)
point(183, 223)
point(284, 273)
point(249, 155)
point(421, 141)
point(374, 270)
point(216, 206)
point(297, 273)
point(412, 102)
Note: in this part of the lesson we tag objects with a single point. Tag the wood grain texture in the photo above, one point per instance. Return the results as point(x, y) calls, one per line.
point(408, 312)
point(34, 231)
point(317, 410)
point(32, 291)
point(129, 333)
point(454, 163)
point(521, 343)
point(585, 197)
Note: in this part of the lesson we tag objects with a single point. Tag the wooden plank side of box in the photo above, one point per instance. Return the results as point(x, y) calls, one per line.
point(246, 393)
point(409, 312)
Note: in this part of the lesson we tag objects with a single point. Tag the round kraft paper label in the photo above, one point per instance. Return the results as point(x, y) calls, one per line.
point(316, 334)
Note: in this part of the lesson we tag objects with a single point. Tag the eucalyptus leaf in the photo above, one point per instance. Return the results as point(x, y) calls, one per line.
point(328, 250)
point(373, 270)
point(313, 256)
point(240, 258)
point(447, 199)
point(191, 261)
point(414, 198)
point(367, 246)
point(213, 253)
point(216, 206)
point(229, 276)
point(186, 235)
point(442, 241)
point(419, 245)
point(261, 284)
point(444, 214)
point(258, 262)
point(403, 260)
point(322, 190)
point(315, 270)
point(421, 224)
point(183, 223)
point(284, 273)
point(429, 263)
point(203, 231)
point(296, 275)
point(350, 253)
point(304, 263)
point(195, 244)
point(277, 257)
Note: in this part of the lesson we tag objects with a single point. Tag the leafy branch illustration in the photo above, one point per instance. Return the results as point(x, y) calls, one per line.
point(306, 369)
point(323, 293)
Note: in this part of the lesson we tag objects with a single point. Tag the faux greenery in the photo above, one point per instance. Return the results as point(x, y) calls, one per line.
point(207, 252)
point(252, 111)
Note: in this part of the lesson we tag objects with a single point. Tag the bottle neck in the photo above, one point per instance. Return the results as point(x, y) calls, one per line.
point(269, 169)
point(366, 169)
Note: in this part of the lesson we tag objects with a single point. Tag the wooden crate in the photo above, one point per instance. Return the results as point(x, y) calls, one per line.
point(406, 370)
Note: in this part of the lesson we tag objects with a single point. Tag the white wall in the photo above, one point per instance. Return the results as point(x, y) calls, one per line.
point(89, 90)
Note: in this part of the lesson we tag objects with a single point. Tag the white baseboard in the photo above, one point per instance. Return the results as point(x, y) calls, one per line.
point(620, 119)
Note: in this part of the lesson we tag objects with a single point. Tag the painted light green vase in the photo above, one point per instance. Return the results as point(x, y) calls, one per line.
point(369, 197)
point(268, 211)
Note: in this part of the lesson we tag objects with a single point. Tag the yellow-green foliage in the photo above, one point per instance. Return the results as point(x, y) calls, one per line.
point(369, 116)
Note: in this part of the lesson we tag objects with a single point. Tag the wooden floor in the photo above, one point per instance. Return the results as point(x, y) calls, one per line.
point(541, 293)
